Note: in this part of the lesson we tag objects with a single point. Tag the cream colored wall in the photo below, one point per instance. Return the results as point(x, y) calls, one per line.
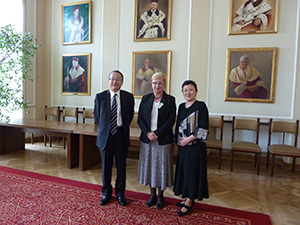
point(198, 43)
point(285, 40)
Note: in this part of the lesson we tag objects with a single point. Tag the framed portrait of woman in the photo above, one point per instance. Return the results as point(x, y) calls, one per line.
point(253, 16)
point(76, 75)
point(76, 23)
point(152, 20)
point(144, 65)
point(251, 74)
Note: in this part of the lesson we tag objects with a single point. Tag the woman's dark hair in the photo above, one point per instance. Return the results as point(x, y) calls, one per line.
point(187, 82)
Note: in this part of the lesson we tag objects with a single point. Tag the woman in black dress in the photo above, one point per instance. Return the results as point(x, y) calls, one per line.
point(191, 134)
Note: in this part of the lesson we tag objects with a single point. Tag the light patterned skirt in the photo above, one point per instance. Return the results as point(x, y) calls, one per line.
point(156, 165)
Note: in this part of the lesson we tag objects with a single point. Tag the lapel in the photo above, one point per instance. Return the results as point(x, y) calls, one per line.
point(162, 109)
point(107, 103)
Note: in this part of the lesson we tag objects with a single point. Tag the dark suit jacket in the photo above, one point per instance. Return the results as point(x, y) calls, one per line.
point(102, 116)
point(166, 118)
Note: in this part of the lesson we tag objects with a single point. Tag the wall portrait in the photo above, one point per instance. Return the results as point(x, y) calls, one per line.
point(253, 16)
point(144, 65)
point(251, 74)
point(152, 20)
point(76, 23)
point(76, 75)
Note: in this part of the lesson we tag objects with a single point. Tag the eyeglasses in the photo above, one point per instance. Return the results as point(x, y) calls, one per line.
point(158, 83)
point(115, 79)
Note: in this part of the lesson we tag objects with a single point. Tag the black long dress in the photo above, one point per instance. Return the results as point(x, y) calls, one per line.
point(191, 167)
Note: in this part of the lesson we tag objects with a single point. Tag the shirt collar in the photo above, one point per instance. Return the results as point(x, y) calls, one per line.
point(113, 93)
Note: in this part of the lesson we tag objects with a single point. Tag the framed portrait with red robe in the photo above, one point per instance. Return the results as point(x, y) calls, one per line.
point(76, 75)
point(253, 16)
point(251, 74)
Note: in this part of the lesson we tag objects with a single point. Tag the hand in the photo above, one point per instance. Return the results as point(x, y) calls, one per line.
point(186, 140)
point(252, 88)
point(257, 22)
point(152, 136)
point(242, 22)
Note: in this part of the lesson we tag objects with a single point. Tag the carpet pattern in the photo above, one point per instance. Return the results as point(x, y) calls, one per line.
point(31, 198)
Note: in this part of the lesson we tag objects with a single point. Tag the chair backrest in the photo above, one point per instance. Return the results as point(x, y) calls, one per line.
point(284, 127)
point(87, 114)
point(70, 112)
point(53, 112)
point(217, 122)
point(245, 124)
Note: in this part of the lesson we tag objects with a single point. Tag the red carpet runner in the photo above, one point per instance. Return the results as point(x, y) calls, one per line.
point(31, 198)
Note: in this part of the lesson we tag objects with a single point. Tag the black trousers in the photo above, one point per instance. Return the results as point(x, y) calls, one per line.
point(114, 150)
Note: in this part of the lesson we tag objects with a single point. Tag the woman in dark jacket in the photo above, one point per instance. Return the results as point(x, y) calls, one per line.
point(156, 118)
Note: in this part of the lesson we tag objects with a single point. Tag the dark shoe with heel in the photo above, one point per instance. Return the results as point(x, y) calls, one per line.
point(160, 204)
point(181, 213)
point(180, 204)
point(151, 201)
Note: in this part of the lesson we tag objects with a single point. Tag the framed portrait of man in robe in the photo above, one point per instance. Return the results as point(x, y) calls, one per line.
point(152, 20)
point(76, 75)
point(144, 65)
point(251, 74)
point(76, 23)
point(253, 16)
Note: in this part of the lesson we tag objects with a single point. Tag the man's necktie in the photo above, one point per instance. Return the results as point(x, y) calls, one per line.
point(113, 116)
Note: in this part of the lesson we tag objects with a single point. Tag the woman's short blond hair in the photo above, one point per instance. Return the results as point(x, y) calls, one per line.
point(159, 75)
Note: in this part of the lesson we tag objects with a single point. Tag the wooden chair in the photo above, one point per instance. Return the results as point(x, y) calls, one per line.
point(246, 146)
point(69, 112)
point(52, 113)
point(87, 114)
point(213, 142)
point(283, 149)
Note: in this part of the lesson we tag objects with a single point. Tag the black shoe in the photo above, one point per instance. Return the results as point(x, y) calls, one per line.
point(151, 201)
point(122, 201)
point(180, 204)
point(104, 200)
point(180, 213)
point(160, 203)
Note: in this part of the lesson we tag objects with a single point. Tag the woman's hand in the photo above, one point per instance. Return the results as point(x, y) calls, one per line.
point(186, 140)
point(152, 136)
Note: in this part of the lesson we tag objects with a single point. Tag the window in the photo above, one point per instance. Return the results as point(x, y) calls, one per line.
point(11, 12)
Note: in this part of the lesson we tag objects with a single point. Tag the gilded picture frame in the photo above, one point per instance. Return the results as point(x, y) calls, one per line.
point(156, 27)
point(76, 74)
point(76, 23)
point(144, 65)
point(257, 17)
point(256, 83)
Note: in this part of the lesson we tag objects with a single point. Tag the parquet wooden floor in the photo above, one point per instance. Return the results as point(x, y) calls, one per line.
point(277, 196)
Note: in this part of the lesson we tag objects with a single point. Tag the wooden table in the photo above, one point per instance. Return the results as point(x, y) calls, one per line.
point(89, 154)
point(81, 139)
point(12, 135)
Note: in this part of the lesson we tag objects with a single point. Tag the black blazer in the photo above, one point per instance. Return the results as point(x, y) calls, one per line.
point(102, 116)
point(166, 118)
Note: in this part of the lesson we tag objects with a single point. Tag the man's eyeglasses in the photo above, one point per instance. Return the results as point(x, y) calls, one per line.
point(115, 79)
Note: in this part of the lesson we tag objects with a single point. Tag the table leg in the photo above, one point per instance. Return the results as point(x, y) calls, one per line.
point(89, 154)
point(73, 150)
point(11, 139)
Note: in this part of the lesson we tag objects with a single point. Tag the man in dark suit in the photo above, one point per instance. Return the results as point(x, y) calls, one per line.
point(113, 112)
